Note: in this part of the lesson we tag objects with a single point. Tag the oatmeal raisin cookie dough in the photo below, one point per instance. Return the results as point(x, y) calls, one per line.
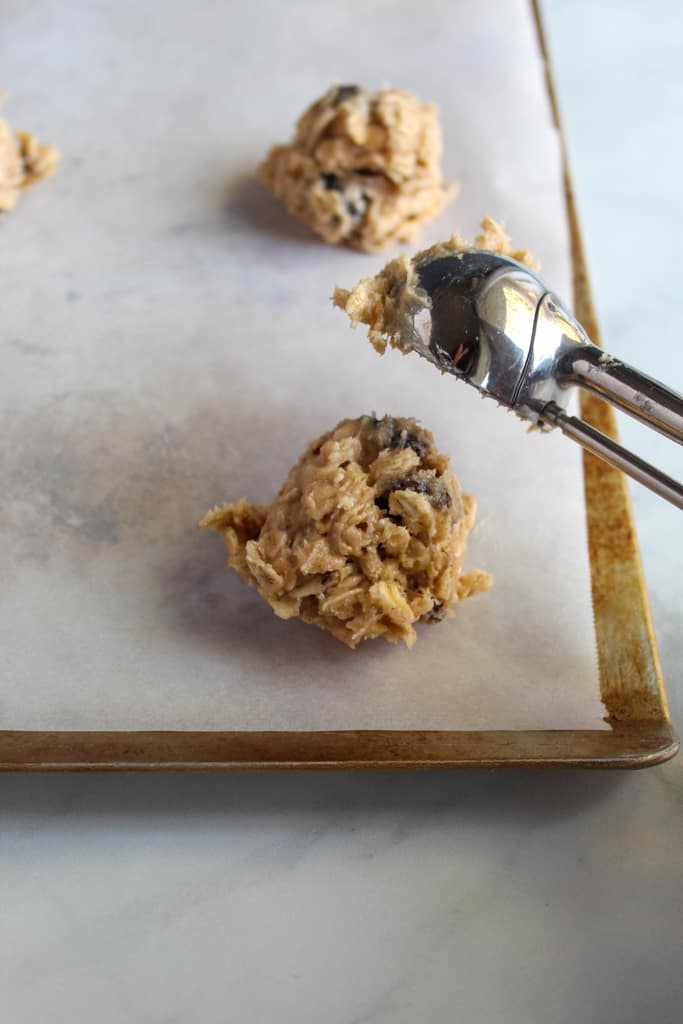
point(23, 162)
point(363, 168)
point(387, 303)
point(365, 538)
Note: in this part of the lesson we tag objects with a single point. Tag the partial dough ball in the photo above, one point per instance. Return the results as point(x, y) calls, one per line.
point(363, 169)
point(365, 538)
point(23, 162)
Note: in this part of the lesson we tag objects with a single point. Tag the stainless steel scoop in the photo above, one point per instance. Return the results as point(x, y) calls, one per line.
point(492, 322)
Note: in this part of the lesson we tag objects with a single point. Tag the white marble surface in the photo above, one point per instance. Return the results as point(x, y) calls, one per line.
point(552, 897)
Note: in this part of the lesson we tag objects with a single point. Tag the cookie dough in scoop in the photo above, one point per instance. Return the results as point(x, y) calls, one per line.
point(363, 169)
point(365, 538)
point(388, 302)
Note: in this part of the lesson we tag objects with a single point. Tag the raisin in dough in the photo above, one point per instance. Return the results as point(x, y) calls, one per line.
point(388, 302)
point(365, 538)
point(23, 161)
point(363, 168)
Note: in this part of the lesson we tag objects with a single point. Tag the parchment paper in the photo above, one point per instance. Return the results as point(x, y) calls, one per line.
point(168, 343)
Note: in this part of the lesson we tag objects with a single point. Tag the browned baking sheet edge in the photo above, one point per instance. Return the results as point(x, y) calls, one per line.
point(629, 745)
point(631, 684)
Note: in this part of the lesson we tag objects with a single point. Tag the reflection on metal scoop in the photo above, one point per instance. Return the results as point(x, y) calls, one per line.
point(492, 322)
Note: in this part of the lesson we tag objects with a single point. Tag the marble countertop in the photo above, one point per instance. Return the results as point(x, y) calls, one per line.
point(339, 898)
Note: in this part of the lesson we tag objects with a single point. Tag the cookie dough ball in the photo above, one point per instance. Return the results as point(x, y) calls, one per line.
point(388, 302)
point(365, 538)
point(23, 161)
point(363, 168)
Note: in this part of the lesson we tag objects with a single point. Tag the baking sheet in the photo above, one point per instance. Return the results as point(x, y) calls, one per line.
point(168, 343)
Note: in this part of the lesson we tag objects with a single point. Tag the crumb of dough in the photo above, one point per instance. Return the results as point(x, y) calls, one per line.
point(365, 538)
point(363, 169)
point(388, 302)
point(23, 162)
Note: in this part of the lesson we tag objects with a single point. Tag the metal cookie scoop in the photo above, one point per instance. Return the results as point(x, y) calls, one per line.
point(492, 322)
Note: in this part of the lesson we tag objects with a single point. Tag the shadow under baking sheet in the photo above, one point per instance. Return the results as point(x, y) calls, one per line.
point(521, 800)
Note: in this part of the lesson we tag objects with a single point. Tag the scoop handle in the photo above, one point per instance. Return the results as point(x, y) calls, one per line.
point(608, 450)
point(625, 387)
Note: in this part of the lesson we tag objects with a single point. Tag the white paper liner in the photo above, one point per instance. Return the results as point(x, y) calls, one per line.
point(168, 343)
